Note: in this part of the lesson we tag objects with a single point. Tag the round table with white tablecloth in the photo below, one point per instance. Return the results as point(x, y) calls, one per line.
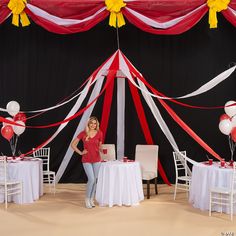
point(30, 172)
point(204, 177)
point(119, 183)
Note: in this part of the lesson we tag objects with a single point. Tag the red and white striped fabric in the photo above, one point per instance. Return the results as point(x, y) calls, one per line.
point(157, 17)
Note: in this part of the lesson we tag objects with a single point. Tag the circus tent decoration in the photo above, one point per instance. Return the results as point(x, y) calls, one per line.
point(102, 80)
point(118, 67)
point(157, 17)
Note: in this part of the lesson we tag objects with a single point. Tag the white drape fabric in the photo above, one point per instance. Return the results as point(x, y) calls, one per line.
point(120, 118)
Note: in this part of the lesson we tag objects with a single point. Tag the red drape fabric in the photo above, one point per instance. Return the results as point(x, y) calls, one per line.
point(4, 11)
point(73, 9)
point(61, 29)
point(159, 11)
point(229, 15)
point(179, 28)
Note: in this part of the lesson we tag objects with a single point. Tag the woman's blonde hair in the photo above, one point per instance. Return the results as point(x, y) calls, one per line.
point(89, 121)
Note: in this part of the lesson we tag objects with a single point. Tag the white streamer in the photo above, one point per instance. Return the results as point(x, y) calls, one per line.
point(120, 118)
point(85, 116)
point(206, 87)
point(125, 69)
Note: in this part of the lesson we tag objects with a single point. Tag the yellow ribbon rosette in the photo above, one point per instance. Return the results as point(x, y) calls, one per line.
point(17, 7)
point(214, 7)
point(116, 17)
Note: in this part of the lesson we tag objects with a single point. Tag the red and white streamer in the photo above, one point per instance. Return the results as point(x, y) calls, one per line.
point(86, 115)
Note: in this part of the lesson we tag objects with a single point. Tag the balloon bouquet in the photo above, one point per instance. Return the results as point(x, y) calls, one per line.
point(9, 131)
point(227, 124)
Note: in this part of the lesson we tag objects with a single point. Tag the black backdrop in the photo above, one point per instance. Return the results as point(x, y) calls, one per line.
point(39, 69)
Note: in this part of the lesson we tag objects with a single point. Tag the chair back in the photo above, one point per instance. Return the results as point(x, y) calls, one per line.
point(108, 152)
point(147, 156)
point(233, 182)
point(44, 154)
point(180, 163)
point(3, 170)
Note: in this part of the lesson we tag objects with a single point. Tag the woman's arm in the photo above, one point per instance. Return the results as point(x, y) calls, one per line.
point(74, 144)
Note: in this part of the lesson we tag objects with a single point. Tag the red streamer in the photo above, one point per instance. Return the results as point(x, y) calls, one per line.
point(107, 104)
point(145, 127)
point(175, 117)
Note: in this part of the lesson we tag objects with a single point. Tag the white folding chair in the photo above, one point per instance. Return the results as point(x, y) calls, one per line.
point(8, 187)
point(182, 175)
point(108, 152)
point(48, 175)
point(147, 156)
point(224, 196)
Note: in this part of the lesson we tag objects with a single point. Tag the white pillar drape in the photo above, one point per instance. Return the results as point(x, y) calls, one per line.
point(120, 118)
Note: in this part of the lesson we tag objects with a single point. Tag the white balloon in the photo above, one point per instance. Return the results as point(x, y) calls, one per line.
point(8, 118)
point(225, 126)
point(230, 111)
point(233, 121)
point(13, 108)
point(18, 130)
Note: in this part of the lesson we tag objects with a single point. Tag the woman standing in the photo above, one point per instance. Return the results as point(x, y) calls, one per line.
point(92, 140)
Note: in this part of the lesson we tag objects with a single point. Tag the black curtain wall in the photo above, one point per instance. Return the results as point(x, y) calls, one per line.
point(38, 69)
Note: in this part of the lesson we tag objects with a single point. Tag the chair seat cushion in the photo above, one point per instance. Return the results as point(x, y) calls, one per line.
point(148, 175)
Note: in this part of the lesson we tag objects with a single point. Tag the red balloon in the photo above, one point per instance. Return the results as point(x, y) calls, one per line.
point(233, 134)
point(7, 132)
point(20, 116)
point(224, 117)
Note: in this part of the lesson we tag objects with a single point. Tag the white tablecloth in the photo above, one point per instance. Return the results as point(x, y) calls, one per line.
point(119, 184)
point(31, 175)
point(205, 177)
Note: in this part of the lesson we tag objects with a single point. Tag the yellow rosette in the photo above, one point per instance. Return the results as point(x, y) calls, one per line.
point(17, 7)
point(116, 17)
point(214, 7)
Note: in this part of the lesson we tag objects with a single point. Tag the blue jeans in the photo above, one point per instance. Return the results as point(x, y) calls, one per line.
point(91, 170)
